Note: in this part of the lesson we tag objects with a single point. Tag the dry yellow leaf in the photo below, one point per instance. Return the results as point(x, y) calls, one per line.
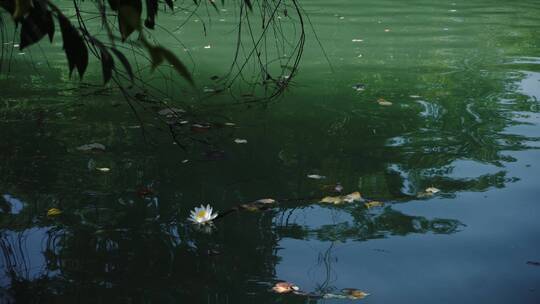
point(284, 287)
point(336, 200)
point(373, 204)
point(354, 294)
point(355, 196)
point(250, 207)
point(432, 190)
point(383, 102)
point(332, 200)
point(265, 201)
point(54, 212)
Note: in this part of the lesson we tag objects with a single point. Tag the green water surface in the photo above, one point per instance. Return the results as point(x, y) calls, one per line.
point(463, 79)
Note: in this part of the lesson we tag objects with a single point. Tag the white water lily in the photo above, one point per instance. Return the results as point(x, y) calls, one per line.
point(202, 215)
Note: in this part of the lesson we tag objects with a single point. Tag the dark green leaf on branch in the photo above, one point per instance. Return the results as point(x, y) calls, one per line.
point(151, 13)
point(124, 62)
point(35, 26)
point(248, 3)
point(107, 64)
point(170, 4)
point(129, 17)
point(22, 7)
point(74, 46)
point(158, 54)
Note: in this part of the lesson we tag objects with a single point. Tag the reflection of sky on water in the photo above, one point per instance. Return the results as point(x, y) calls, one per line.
point(26, 252)
point(487, 258)
point(490, 253)
point(530, 85)
point(15, 204)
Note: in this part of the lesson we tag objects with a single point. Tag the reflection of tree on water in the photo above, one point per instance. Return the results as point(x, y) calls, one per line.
point(132, 251)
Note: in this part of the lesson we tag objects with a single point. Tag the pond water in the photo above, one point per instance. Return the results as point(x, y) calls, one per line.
point(463, 84)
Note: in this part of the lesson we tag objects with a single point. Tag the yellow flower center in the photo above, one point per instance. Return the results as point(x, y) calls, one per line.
point(201, 214)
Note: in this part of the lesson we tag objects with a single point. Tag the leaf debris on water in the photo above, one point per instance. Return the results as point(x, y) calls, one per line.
point(171, 112)
point(284, 287)
point(240, 141)
point(373, 204)
point(259, 205)
point(54, 212)
point(336, 200)
point(432, 190)
point(92, 147)
point(359, 87)
point(383, 102)
point(354, 294)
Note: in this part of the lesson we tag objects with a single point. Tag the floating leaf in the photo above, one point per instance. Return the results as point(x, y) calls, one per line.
point(199, 128)
point(332, 200)
point(373, 204)
point(171, 112)
point(240, 141)
point(261, 204)
point(266, 201)
point(285, 287)
point(336, 200)
point(432, 190)
point(359, 87)
point(355, 196)
point(92, 147)
point(354, 294)
point(316, 176)
point(428, 192)
point(383, 102)
point(54, 212)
